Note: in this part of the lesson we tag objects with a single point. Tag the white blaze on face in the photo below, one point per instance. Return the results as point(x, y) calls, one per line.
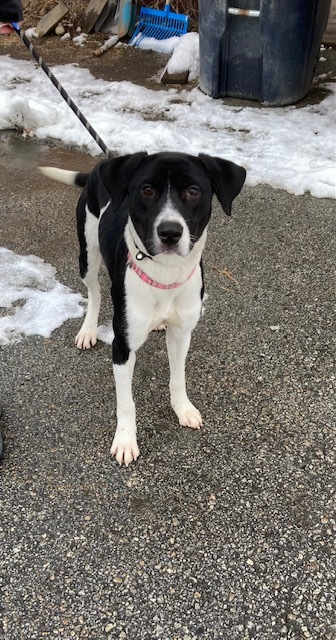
point(170, 214)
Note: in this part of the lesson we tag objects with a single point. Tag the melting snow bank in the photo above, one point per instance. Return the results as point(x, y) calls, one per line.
point(184, 50)
point(37, 302)
point(286, 147)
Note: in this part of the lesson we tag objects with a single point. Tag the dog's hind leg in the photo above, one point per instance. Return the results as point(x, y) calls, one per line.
point(89, 263)
point(178, 341)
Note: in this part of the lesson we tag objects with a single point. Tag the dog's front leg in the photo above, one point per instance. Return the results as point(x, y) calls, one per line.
point(124, 446)
point(178, 341)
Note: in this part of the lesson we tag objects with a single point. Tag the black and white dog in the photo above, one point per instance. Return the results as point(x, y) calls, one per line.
point(147, 216)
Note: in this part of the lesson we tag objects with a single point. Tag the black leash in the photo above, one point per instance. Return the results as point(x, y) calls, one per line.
point(60, 89)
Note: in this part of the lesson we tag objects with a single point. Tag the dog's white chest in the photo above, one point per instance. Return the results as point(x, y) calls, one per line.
point(164, 312)
point(148, 307)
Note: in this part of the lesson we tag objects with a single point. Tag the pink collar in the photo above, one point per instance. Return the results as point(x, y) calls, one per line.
point(153, 283)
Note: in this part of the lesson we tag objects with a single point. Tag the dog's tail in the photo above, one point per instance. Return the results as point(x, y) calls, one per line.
point(65, 176)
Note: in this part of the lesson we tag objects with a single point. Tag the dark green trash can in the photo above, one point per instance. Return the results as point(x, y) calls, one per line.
point(263, 50)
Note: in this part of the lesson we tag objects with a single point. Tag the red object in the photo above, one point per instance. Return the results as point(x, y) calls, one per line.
point(5, 29)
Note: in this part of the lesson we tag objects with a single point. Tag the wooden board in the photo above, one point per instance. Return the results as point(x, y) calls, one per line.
point(51, 19)
point(175, 78)
point(91, 14)
point(107, 16)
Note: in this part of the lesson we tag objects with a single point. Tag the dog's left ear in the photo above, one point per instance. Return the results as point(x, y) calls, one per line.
point(226, 178)
point(115, 174)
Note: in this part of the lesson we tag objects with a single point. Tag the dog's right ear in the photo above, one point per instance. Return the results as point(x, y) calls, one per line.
point(115, 174)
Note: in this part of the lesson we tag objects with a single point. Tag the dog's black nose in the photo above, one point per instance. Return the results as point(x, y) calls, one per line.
point(170, 232)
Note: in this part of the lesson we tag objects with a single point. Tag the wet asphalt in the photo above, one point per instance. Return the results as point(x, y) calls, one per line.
point(227, 533)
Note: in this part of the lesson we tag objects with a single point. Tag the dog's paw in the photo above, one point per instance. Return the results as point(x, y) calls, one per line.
point(86, 338)
point(188, 416)
point(125, 449)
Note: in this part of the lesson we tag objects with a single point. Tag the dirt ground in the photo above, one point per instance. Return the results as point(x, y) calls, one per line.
point(120, 63)
point(140, 67)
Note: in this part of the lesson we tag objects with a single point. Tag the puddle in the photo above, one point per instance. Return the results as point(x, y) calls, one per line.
point(25, 154)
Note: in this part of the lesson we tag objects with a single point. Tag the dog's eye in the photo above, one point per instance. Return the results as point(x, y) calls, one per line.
point(192, 193)
point(148, 191)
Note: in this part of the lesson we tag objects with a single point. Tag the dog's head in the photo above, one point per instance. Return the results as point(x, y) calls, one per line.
point(169, 195)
